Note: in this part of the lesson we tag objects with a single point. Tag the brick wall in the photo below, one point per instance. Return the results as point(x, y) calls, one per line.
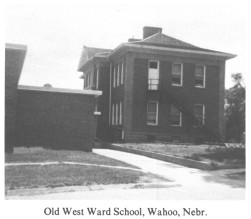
point(209, 96)
point(14, 59)
point(103, 131)
point(55, 120)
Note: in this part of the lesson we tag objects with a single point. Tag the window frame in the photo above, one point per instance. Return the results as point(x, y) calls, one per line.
point(180, 117)
point(181, 75)
point(204, 76)
point(157, 113)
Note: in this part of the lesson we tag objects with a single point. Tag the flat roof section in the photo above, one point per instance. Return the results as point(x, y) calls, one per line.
point(60, 90)
point(15, 46)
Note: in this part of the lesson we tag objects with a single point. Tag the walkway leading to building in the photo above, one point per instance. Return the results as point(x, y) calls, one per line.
point(196, 184)
point(193, 184)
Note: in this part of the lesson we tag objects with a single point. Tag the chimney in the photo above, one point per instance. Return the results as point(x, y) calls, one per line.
point(149, 31)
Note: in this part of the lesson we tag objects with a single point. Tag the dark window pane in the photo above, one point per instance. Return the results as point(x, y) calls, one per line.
point(198, 112)
point(175, 116)
point(152, 112)
point(175, 120)
point(151, 118)
point(176, 69)
point(199, 71)
point(176, 79)
point(199, 82)
point(153, 64)
point(152, 106)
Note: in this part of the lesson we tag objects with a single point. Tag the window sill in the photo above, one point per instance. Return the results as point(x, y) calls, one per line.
point(177, 85)
point(150, 124)
point(199, 87)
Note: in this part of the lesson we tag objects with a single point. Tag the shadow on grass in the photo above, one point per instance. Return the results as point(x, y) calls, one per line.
point(235, 178)
point(222, 155)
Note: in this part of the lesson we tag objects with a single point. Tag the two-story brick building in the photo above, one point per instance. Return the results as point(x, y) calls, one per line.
point(157, 88)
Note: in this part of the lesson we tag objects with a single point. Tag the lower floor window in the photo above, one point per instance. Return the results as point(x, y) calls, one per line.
point(199, 113)
point(152, 113)
point(176, 116)
point(117, 113)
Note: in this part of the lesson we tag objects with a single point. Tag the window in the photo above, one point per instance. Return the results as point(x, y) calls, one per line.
point(200, 76)
point(113, 110)
point(152, 113)
point(123, 135)
point(153, 75)
point(117, 114)
point(88, 79)
point(122, 73)
point(199, 113)
point(97, 78)
point(114, 77)
point(120, 112)
point(118, 75)
point(176, 116)
point(177, 74)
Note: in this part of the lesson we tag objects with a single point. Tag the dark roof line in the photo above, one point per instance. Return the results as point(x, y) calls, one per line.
point(179, 47)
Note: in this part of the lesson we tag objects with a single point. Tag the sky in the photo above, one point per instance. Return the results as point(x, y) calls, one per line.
point(56, 33)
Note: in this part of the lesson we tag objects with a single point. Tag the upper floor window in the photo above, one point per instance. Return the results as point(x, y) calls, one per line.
point(118, 75)
point(176, 116)
point(122, 73)
point(88, 80)
point(200, 76)
point(153, 75)
point(177, 74)
point(97, 78)
point(114, 77)
point(199, 113)
point(152, 113)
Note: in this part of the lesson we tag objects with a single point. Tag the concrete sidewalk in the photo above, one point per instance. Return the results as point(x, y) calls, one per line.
point(194, 184)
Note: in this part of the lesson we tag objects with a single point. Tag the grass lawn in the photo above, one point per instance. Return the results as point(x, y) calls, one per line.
point(55, 175)
point(213, 154)
point(51, 176)
point(38, 154)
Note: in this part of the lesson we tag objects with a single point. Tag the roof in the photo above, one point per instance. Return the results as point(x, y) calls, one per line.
point(162, 42)
point(90, 52)
point(157, 41)
point(60, 90)
point(15, 55)
point(162, 39)
point(15, 46)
